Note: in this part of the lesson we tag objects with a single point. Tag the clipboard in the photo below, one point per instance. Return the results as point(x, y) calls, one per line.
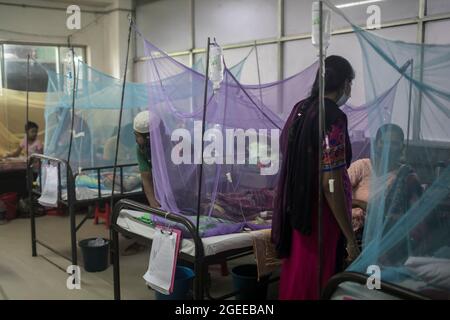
point(160, 274)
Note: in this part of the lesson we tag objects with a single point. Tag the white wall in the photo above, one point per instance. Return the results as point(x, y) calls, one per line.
point(434, 34)
point(267, 56)
point(438, 6)
point(105, 35)
point(165, 23)
point(235, 21)
point(298, 13)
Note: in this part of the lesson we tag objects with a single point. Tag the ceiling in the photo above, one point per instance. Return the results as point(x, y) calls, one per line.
point(101, 4)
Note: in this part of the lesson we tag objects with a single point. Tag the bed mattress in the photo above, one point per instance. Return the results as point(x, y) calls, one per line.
point(84, 193)
point(128, 220)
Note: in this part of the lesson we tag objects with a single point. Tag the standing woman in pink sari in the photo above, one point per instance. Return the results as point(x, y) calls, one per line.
point(295, 223)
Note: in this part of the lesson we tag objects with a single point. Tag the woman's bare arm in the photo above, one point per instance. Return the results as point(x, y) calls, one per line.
point(14, 154)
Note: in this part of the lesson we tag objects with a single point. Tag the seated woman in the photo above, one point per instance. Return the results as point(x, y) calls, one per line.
point(399, 182)
point(34, 144)
point(31, 142)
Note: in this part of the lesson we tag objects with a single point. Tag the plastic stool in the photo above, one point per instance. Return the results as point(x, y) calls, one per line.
point(103, 213)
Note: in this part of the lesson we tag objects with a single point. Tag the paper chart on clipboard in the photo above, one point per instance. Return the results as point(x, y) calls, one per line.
point(162, 264)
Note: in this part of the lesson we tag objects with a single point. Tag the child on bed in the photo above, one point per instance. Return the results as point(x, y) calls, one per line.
point(34, 144)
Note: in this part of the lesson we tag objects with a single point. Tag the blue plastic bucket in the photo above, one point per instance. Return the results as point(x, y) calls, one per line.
point(245, 279)
point(181, 285)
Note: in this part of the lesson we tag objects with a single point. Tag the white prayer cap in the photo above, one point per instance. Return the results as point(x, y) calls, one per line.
point(145, 121)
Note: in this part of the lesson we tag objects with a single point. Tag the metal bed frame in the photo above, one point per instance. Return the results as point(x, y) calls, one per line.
point(71, 203)
point(200, 262)
point(388, 288)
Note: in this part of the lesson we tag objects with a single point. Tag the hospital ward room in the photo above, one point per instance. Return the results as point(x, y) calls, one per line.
point(223, 150)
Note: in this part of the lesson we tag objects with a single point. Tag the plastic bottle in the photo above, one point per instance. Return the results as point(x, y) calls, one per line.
point(326, 22)
point(216, 66)
point(68, 72)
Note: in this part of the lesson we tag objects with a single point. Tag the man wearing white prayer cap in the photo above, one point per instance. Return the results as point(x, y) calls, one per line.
point(143, 124)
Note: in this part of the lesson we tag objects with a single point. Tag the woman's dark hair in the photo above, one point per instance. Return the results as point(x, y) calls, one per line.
point(31, 125)
point(337, 70)
point(389, 127)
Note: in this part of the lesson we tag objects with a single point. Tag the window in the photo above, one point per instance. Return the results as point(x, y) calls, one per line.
point(14, 63)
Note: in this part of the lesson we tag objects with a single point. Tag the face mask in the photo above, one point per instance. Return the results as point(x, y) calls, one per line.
point(342, 100)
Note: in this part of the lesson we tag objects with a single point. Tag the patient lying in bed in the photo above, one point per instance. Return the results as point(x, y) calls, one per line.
point(426, 275)
point(241, 206)
point(130, 181)
point(89, 182)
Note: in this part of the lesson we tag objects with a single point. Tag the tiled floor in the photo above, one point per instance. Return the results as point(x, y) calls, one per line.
point(25, 277)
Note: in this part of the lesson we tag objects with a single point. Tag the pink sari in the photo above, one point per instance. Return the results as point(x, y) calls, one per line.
point(299, 273)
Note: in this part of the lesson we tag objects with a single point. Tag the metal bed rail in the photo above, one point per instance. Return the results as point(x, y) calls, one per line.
point(389, 288)
point(199, 249)
point(199, 261)
point(71, 201)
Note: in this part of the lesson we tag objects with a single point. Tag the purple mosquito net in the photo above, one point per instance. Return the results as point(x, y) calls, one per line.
point(241, 155)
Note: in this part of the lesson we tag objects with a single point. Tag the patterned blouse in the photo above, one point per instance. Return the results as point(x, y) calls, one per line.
point(334, 152)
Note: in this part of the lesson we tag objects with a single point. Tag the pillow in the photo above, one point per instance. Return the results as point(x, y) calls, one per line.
point(435, 271)
point(443, 252)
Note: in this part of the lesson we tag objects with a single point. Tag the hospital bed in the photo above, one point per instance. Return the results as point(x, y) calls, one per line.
point(196, 251)
point(418, 277)
point(71, 197)
point(353, 286)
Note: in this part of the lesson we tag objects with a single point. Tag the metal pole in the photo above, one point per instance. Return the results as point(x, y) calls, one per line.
point(73, 106)
point(409, 107)
point(192, 21)
point(280, 34)
point(280, 55)
point(71, 193)
point(319, 162)
point(30, 171)
point(259, 72)
point(120, 117)
point(205, 101)
point(116, 264)
point(419, 93)
point(71, 198)
point(199, 270)
point(27, 102)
